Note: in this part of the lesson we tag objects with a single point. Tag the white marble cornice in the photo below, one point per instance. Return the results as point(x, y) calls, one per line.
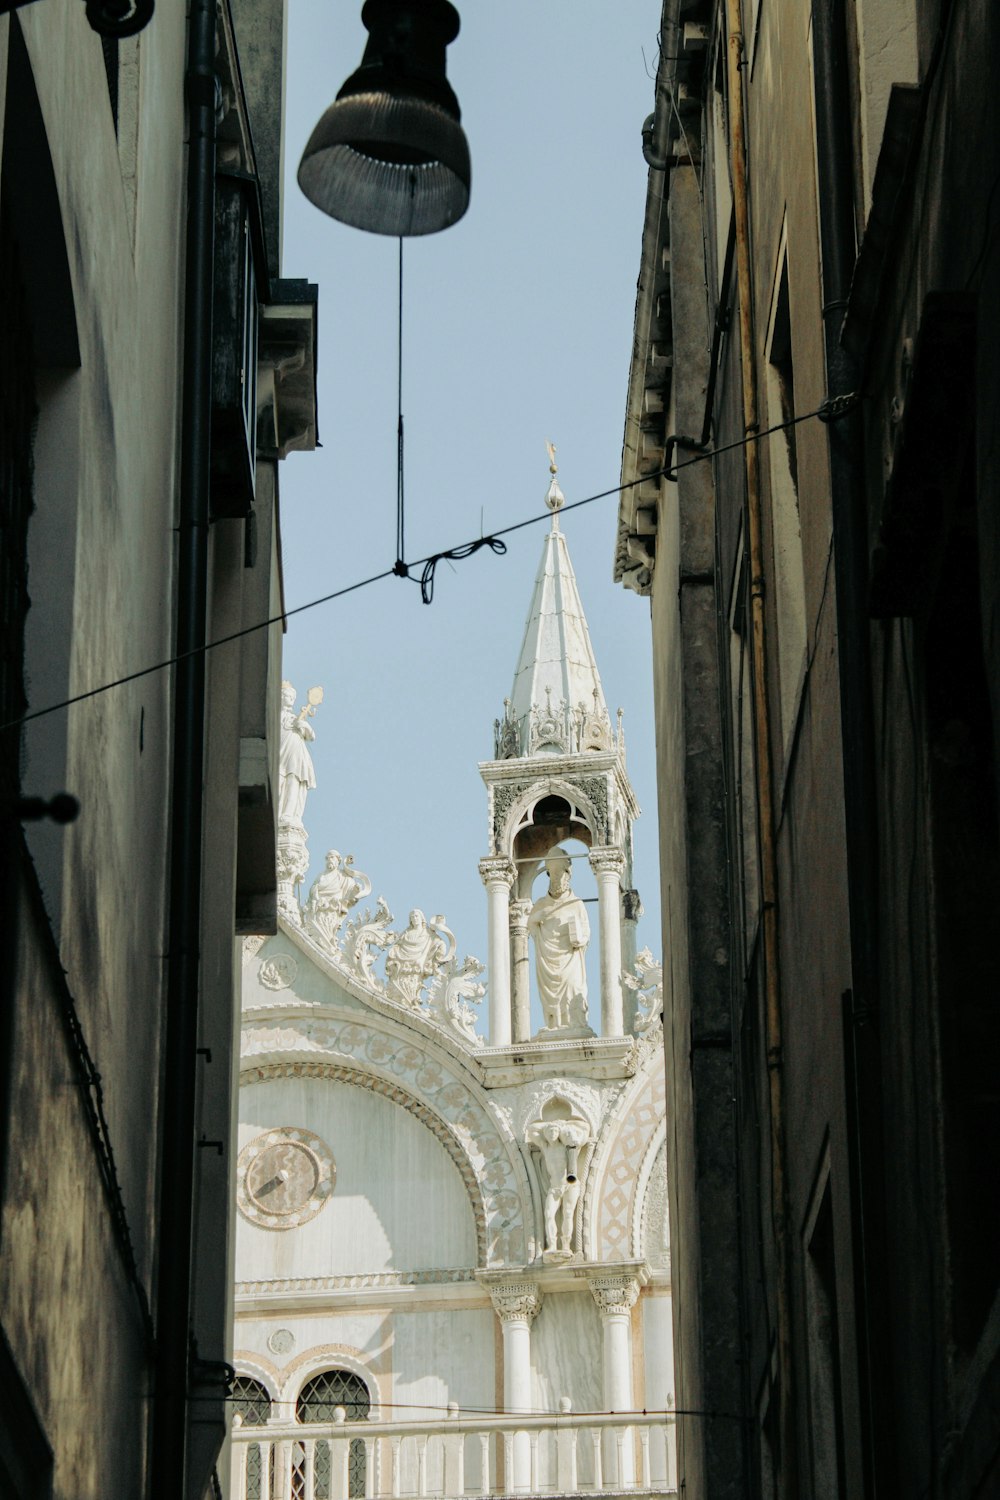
point(599, 1057)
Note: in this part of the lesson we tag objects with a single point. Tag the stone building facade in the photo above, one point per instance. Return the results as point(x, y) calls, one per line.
point(143, 413)
point(817, 291)
point(453, 1271)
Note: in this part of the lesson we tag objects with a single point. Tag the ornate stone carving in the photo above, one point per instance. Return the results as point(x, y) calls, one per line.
point(595, 789)
point(453, 993)
point(292, 864)
point(647, 983)
point(360, 1281)
point(496, 868)
point(278, 971)
point(558, 924)
point(606, 860)
point(506, 740)
point(284, 1178)
point(504, 797)
point(282, 1341)
point(516, 1301)
point(333, 893)
point(580, 1100)
point(593, 726)
point(614, 1294)
point(251, 947)
point(363, 935)
point(415, 955)
point(560, 1135)
point(549, 728)
point(296, 775)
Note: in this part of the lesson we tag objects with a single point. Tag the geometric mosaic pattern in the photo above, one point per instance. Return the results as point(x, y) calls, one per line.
point(615, 1195)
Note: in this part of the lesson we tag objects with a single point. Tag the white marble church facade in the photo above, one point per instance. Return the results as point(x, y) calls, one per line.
point(452, 1260)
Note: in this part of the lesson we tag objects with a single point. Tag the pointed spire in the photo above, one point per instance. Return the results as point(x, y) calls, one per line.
point(557, 704)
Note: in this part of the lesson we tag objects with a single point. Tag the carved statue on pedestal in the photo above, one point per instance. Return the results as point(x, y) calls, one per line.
point(296, 775)
point(339, 887)
point(558, 924)
point(415, 954)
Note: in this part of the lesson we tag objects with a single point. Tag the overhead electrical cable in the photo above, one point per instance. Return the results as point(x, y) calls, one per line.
point(829, 411)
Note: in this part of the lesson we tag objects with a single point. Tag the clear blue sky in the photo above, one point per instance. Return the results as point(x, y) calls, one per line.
point(518, 328)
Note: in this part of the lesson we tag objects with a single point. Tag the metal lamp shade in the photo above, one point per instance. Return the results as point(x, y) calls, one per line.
point(390, 155)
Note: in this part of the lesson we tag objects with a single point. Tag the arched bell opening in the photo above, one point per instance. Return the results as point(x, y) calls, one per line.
point(552, 820)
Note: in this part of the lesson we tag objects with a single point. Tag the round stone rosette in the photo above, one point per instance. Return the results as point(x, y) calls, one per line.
point(284, 1178)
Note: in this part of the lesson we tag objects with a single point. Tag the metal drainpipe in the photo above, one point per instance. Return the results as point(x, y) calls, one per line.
point(850, 539)
point(177, 1171)
point(765, 784)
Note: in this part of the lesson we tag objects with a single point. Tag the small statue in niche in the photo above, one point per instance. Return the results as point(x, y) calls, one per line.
point(339, 887)
point(415, 954)
point(559, 1143)
point(296, 774)
point(558, 924)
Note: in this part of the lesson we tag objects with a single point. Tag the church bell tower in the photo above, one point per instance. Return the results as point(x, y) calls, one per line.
point(558, 772)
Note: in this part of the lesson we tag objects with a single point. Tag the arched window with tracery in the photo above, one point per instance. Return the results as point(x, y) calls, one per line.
point(318, 1402)
point(252, 1403)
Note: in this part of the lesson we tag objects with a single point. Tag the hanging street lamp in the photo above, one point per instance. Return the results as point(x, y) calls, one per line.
point(390, 155)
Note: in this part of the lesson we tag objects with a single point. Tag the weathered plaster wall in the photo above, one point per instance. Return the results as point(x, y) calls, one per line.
point(100, 571)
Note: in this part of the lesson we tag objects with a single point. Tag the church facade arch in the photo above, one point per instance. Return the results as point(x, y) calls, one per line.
point(422, 1080)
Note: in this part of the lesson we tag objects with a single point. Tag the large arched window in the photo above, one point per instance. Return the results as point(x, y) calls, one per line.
point(318, 1402)
point(252, 1402)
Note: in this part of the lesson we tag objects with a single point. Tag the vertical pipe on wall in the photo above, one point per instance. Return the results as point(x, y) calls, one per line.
point(170, 1421)
point(763, 747)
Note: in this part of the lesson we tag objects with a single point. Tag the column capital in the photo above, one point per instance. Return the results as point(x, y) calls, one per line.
point(516, 1301)
point(614, 1292)
point(496, 870)
point(519, 913)
point(606, 860)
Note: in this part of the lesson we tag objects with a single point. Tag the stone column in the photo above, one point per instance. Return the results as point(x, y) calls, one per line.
point(520, 970)
point(498, 876)
point(615, 1296)
point(608, 864)
point(517, 1304)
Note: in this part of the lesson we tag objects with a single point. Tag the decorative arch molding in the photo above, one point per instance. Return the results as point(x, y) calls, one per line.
point(511, 800)
point(261, 1370)
point(320, 1357)
point(611, 1202)
point(480, 1143)
point(638, 1225)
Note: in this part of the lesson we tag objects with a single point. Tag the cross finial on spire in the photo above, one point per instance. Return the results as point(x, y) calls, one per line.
point(554, 499)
